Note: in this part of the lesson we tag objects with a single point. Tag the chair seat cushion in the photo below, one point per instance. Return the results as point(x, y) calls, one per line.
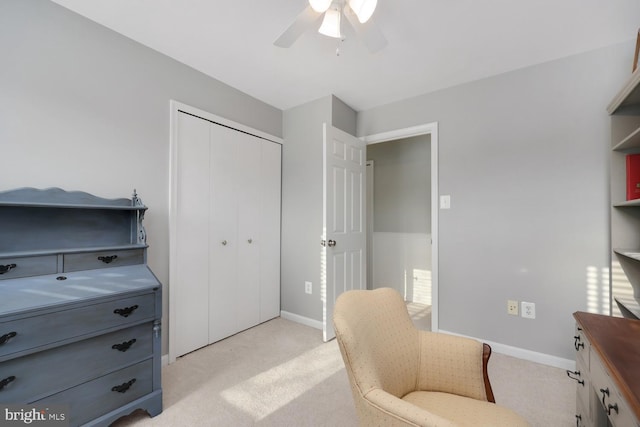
point(465, 411)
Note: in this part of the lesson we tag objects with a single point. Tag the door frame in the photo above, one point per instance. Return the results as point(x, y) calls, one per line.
point(432, 130)
point(175, 108)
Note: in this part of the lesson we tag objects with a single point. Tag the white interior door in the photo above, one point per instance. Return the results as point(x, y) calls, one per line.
point(225, 229)
point(223, 224)
point(247, 176)
point(344, 223)
point(191, 252)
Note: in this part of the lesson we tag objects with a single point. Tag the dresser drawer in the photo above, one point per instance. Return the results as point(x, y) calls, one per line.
point(12, 268)
point(39, 330)
point(100, 396)
point(582, 346)
point(73, 364)
point(105, 259)
point(583, 383)
point(610, 404)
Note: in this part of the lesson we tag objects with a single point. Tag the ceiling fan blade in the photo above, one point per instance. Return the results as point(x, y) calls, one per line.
point(368, 32)
point(302, 23)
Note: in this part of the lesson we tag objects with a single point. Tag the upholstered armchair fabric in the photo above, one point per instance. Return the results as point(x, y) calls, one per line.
point(401, 376)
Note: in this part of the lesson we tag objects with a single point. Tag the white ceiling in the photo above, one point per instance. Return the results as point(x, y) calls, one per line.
point(433, 44)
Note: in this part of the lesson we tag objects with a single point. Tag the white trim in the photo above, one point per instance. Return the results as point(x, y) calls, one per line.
point(431, 129)
point(174, 108)
point(402, 133)
point(179, 106)
point(316, 324)
point(521, 353)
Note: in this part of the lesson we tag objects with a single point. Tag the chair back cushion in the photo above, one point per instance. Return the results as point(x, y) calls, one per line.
point(378, 341)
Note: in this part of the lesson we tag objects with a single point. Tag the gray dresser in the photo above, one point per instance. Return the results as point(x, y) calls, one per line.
point(79, 308)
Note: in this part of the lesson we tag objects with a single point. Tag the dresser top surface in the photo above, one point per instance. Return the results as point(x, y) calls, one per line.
point(40, 292)
point(617, 342)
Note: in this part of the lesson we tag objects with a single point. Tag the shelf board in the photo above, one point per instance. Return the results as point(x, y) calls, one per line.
point(630, 142)
point(627, 204)
point(72, 206)
point(628, 98)
point(55, 251)
point(629, 253)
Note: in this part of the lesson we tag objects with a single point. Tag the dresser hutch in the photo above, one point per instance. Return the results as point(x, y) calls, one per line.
point(80, 310)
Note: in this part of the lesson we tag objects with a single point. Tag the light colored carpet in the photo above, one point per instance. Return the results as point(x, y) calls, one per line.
point(281, 374)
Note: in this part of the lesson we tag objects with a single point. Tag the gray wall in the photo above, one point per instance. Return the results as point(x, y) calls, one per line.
point(524, 156)
point(84, 108)
point(302, 199)
point(402, 185)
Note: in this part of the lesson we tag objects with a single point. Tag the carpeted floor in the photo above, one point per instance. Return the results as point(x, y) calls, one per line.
point(281, 374)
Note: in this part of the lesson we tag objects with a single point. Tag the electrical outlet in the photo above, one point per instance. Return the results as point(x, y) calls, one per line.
point(528, 310)
point(512, 307)
point(308, 287)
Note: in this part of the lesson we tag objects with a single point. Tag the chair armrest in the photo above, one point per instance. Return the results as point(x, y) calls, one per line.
point(386, 409)
point(454, 364)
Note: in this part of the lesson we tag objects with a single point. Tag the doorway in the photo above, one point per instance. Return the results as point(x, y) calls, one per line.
point(402, 230)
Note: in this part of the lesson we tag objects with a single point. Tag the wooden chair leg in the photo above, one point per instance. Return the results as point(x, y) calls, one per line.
point(486, 353)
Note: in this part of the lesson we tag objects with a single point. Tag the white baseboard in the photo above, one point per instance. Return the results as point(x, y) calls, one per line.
point(521, 353)
point(301, 319)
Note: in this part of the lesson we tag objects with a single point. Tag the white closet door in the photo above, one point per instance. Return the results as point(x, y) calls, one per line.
point(223, 237)
point(250, 240)
point(192, 223)
point(270, 181)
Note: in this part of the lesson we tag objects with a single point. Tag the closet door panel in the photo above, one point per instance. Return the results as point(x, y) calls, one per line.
point(270, 231)
point(192, 223)
point(223, 237)
point(249, 237)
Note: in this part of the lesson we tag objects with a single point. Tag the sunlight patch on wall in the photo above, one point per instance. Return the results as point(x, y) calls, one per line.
point(620, 286)
point(272, 390)
point(597, 290)
point(417, 283)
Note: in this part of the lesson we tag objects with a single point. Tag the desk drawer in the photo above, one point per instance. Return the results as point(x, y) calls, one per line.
point(100, 396)
point(73, 364)
point(12, 268)
point(105, 259)
point(39, 330)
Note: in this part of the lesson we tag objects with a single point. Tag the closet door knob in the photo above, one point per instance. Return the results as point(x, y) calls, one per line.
point(250, 241)
point(331, 243)
point(224, 243)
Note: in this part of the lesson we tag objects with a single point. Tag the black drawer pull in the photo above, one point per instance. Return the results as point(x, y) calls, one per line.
point(577, 344)
point(578, 419)
point(610, 407)
point(6, 381)
point(605, 392)
point(7, 268)
point(125, 312)
point(7, 337)
point(577, 373)
point(122, 388)
point(124, 346)
point(107, 259)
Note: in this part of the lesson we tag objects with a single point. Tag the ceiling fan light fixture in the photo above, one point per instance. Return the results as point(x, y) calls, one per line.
point(320, 6)
point(363, 9)
point(331, 24)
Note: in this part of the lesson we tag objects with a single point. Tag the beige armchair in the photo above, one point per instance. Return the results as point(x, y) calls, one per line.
point(401, 376)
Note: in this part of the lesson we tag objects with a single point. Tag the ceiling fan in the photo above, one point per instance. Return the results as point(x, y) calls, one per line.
point(357, 13)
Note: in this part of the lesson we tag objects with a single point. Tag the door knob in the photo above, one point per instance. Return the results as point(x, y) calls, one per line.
point(331, 243)
point(224, 243)
point(250, 241)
